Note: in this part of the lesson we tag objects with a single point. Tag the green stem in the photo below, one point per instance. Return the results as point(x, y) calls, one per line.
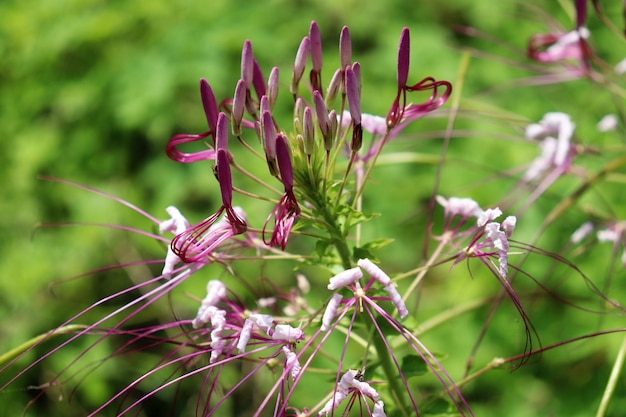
point(612, 382)
point(13, 353)
point(395, 389)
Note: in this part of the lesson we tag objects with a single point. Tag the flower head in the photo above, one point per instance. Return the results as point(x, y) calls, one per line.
point(200, 240)
point(400, 111)
point(554, 133)
point(287, 209)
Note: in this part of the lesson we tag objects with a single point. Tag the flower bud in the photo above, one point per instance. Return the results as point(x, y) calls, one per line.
point(247, 64)
point(258, 81)
point(308, 131)
point(221, 133)
point(322, 112)
point(239, 101)
point(332, 130)
point(345, 47)
point(272, 87)
point(283, 158)
point(209, 104)
point(299, 64)
point(316, 57)
point(336, 84)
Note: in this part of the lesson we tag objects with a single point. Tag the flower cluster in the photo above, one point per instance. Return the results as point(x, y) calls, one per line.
point(302, 160)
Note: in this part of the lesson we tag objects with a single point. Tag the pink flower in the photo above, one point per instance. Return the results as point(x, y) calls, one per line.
point(554, 133)
point(287, 209)
point(403, 113)
point(200, 240)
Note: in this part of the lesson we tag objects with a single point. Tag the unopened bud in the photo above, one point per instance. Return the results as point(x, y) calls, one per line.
point(257, 80)
point(247, 63)
point(283, 158)
point(336, 84)
point(272, 87)
point(332, 130)
point(321, 111)
point(209, 104)
point(239, 102)
point(345, 47)
point(316, 57)
point(299, 64)
point(308, 131)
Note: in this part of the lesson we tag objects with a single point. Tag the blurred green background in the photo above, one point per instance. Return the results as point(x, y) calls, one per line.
point(91, 91)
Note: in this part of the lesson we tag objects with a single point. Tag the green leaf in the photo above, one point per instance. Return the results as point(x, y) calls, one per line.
point(366, 251)
point(413, 365)
point(321, 246)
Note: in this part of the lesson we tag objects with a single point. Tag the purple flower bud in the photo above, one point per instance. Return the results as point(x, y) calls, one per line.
point(298, 109)
point(224, 177)
point(321, 111)
point(210, 105)
point(329, 140)
point(345, 47)
point(354, 96)
point(239, 102)
point(299, 64)
point(258, 81)
point(272, 86)
point(308, 131)
point(284, 161)
point(316, 57)
point(221, 133)
point(316, 47)
point(264, 104)
point(356, 68)
point(403, 58)
point(336, 84)
point(247, 64)
point(269, 135)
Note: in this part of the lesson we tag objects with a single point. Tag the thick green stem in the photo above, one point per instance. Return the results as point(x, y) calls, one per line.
point(391, 373)
point(337, 235)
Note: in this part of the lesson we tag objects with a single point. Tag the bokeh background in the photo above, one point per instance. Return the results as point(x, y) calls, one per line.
point(91, 91)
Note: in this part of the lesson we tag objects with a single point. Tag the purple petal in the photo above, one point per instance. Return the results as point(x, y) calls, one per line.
point(224, 177)
point(403, 58)
point(209, 103)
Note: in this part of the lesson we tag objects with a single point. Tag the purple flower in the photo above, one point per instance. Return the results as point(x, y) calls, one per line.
point(210, 110)
point(287, 209)
point(403, 113)
point(365, 300)
point(351, 385)
point(199, 241)
point(567, 48)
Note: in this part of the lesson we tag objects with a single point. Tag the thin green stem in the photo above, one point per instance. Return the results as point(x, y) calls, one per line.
point(13, 353)
point(612, 382)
